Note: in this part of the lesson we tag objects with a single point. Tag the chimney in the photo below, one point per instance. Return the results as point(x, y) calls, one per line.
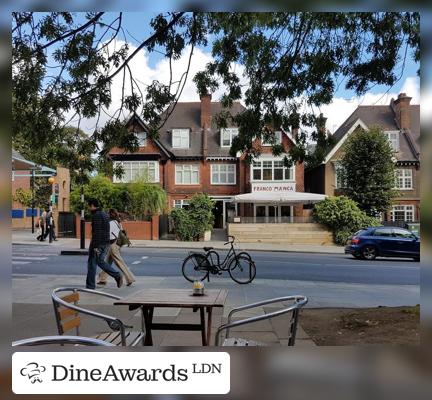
point(205, 119)
point(401, 107)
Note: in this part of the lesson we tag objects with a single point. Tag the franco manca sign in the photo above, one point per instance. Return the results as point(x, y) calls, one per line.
point(273, 187)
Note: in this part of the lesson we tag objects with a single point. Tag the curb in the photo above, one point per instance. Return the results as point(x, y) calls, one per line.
point(240, 249)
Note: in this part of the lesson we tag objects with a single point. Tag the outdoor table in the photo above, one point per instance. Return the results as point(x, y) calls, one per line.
point(149, 299)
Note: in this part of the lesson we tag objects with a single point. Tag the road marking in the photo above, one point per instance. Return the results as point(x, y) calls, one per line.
point(20, 262)
point(136, 262)
point(144, 257)
point(29, 258)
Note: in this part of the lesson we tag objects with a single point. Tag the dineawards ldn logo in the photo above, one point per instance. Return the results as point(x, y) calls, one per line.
point(33, 371)
point(121, 373)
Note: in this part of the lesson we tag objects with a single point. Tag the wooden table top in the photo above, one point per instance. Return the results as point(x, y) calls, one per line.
point(175, 298)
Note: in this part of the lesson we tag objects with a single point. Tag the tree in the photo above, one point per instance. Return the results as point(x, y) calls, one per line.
point(42, 192)
point(146, 199)
point(368, 170)
point(290, 64)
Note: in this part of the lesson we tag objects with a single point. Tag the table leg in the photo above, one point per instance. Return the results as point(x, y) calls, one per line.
point(148, 318)
point(209, 322)
point(203, 327)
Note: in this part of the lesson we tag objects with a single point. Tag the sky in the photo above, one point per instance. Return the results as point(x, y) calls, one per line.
point(148, 67)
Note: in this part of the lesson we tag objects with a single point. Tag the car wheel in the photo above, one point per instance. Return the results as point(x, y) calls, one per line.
point(369, 252)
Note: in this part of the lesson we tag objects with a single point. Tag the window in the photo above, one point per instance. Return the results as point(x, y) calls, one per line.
point(276, 140)
point(142, 138)
point(187, 174)
point(223, 174)
point(383, 232)
point(181, 204)
point(339, 181)
point(393, 138)
point(271, 170)
point(402, 233)
point(180, 138)
point(133, 170)
point(404, 179)
point(403, 213)
point(227, 135)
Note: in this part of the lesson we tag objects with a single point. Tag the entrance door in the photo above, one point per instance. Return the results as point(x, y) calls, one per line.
point(272, 213)
point(218, 212)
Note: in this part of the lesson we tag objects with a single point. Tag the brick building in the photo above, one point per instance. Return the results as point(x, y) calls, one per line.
point(400, 121)
point(192, 155)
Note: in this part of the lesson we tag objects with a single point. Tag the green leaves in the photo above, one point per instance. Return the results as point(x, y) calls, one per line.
point(369, 170)
point(343, 216)
point(190, 224)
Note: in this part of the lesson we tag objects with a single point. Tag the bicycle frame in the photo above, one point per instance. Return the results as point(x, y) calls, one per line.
point(219, 265)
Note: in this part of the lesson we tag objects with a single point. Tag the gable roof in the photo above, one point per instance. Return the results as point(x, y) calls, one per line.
point(384, 116)
point(188, 115)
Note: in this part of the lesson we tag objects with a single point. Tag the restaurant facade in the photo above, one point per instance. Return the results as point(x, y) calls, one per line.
point(191, 155)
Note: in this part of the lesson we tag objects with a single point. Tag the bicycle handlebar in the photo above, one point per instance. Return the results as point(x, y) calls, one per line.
point(230, 241)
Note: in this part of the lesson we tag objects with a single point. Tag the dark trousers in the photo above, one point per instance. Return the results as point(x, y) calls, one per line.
point(96, 259)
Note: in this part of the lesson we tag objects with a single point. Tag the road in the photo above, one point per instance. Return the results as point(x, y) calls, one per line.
point(315, 267)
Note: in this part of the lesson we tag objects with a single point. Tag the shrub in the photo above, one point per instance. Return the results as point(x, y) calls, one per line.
point(146, 199)
point(342, 216)
point(191, 224)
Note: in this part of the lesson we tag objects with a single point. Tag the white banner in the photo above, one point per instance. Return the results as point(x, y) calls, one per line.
point(273, 187)
point(121, 373)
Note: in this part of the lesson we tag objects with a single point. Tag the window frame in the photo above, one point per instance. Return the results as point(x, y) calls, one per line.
point(139, 162)
point(277, 141)
point(180, 131)
point(183, 203)
point(404, 179)
point(232, 131)
point(192, 169)
point(227, 173)
point(338, 182)
point(406, 209)
point(261, 161)
point(143, 141)
point(389, 134)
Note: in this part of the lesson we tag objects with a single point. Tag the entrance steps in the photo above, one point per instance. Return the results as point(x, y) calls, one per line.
point(295, 233)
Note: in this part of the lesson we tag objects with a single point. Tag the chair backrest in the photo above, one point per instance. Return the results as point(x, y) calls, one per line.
point(67, 318)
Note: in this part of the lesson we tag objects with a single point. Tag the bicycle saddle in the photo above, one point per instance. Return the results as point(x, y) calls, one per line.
point(208, 248)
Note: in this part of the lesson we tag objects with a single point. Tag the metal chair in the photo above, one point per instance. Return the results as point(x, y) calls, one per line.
point(299, 302)
point(66, 310)
point(62, 340)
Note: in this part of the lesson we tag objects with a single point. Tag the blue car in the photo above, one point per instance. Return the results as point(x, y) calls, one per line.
point(384, 241)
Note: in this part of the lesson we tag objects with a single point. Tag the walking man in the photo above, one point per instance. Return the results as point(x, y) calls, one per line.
point(99, 247)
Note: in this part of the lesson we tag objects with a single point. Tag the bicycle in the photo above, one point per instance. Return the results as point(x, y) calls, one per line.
point(240, 266)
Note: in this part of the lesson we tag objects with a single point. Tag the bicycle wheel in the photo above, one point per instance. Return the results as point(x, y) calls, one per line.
point(242, 270)
point(195, 267)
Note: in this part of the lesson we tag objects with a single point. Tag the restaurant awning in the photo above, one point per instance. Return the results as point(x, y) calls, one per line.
point(279, 198)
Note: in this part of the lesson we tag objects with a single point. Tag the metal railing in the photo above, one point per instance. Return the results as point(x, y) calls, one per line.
point(271, 220)
point(61, 340)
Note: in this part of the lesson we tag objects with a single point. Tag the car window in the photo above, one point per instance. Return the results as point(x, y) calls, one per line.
point(361, 232)
point(388, 232)
point(402, 233)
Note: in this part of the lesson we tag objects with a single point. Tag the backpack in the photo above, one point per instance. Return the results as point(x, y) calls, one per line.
point(122, 238)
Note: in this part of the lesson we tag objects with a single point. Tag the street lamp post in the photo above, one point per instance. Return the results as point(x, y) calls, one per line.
point(82, 220)
point(33, 199)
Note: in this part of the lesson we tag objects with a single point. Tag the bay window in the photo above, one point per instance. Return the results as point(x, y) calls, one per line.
point(403, 213)
point(404, 179)
point(135, 170)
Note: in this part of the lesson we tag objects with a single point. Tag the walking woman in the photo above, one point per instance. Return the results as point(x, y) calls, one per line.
point(114, 251)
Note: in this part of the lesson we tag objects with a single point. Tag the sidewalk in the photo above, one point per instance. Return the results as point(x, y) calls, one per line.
point(27, 238)
point(32, 310)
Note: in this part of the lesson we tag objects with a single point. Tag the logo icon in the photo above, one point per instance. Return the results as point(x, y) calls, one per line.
point(33, 371)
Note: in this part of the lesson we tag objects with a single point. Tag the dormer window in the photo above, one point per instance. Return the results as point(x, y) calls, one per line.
point(227, 136)
point(142, 139)
point(180, 138)
point(393, 138)
point(277, 139)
